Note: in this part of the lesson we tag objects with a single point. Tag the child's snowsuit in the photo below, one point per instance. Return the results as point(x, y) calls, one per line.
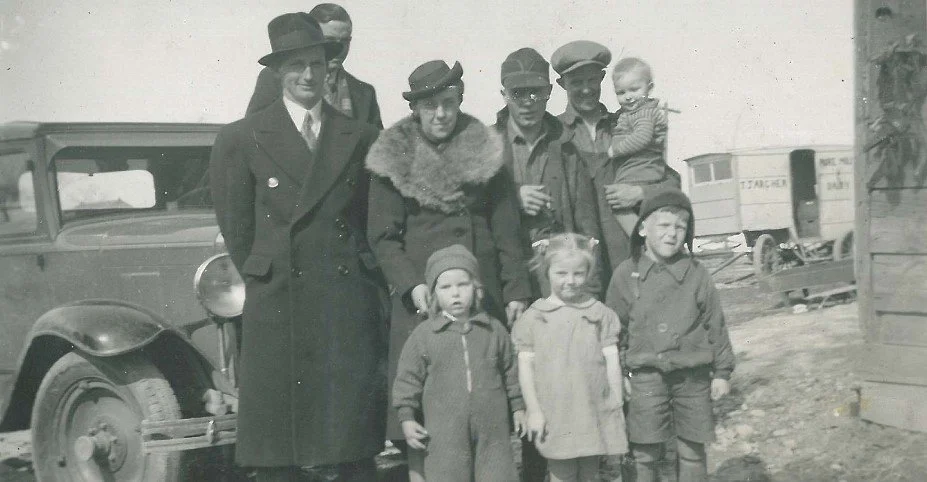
point(461, 376)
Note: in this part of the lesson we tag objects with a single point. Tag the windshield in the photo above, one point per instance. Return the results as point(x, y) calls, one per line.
point(103, 180)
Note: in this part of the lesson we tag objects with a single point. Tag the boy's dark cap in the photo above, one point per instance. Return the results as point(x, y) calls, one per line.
point(579, 53)
point(430, 78)
point(295, 31)
point(661, 198)
point(454, 256)
point(525, 67)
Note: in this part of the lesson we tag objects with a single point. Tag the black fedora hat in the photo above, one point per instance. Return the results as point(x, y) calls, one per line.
point(430, 77)
point(294, 31)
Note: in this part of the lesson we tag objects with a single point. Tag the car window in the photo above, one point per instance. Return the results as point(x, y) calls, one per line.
point(17, 195)
point(98, 180)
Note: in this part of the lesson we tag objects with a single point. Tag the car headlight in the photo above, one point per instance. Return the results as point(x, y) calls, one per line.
point(219, 287)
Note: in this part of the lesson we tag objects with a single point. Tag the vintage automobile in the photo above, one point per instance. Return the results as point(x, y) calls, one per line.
point(116, 300)
point(793, 205)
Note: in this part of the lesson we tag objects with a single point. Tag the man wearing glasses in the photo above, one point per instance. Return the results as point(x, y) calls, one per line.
point(554, 188)
point(343, 91)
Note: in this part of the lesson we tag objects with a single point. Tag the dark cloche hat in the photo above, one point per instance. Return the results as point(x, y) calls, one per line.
point(430, 77)
point(295, 31)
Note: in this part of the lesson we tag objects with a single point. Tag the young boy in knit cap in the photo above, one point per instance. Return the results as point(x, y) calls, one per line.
point(457, 374)
point(673, 345)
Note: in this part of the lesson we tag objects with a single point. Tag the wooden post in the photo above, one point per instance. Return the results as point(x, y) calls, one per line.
point(891, 210)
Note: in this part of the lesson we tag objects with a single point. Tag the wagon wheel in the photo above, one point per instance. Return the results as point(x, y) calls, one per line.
point(845, 247)
point(766, 258)
point(86, 419)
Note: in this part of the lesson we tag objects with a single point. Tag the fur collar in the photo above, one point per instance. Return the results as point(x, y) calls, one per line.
point(435, 175)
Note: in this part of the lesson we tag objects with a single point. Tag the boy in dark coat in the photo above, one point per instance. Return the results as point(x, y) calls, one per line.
point(674, 344)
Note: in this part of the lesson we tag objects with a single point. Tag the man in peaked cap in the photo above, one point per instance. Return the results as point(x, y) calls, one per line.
point(353, 97)
point(581, 65)
point(290, 195)
point(554, 188)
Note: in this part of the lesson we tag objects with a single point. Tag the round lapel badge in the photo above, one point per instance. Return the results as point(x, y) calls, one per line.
point(273, 182)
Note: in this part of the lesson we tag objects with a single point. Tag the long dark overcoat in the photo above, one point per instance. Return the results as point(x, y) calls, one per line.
point(425, 197)
point(313, 372)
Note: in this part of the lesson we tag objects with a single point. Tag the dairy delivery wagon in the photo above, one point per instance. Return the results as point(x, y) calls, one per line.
point(793, 205)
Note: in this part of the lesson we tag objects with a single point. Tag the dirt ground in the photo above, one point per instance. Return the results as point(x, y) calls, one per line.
point(792, 413)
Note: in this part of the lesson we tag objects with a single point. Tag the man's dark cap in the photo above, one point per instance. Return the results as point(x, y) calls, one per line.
point(525, 67)
point(579, 53)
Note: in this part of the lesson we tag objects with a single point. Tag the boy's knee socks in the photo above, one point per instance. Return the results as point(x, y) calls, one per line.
point(692, 470)
point(646, 458)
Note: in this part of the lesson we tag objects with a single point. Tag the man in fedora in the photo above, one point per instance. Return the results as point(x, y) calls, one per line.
point(354, 98)
point(290, 193)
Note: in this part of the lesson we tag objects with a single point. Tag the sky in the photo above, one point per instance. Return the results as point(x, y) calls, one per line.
point(743, 73)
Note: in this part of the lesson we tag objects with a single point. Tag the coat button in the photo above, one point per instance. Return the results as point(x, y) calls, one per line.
point(297, 272)
point(351, 182)
point(340, 224)
point(273, 182)
point(459, 232)
point(662, 327)
point(343, 270)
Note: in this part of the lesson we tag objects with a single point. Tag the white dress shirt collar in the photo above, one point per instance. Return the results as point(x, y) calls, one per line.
point(298, 113)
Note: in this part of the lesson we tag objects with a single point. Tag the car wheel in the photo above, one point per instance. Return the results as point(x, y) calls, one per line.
point(86, 421)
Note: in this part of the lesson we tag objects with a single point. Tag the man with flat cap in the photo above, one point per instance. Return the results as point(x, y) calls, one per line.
point(290, 193)
point(353, 97)
point(581, 66)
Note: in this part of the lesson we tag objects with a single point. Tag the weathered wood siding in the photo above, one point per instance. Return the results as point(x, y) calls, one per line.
point(891, 227)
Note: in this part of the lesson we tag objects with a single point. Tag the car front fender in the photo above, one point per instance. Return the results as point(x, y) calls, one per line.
point(97, 327)
point(101, 327)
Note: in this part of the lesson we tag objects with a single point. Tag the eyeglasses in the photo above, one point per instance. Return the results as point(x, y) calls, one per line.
point(527, 96)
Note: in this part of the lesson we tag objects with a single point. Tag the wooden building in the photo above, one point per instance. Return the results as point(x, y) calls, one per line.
point(891, 209)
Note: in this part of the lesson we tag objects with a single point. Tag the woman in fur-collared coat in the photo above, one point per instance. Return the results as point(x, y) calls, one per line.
point(438, 180)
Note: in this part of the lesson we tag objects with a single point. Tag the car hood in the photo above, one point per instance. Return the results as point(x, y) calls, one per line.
point(156, 230)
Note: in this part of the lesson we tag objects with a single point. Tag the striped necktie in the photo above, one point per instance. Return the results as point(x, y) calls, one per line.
point(307, 133)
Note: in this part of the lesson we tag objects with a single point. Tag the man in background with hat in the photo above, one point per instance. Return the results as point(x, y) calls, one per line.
point(290, 194)
point(554, 189)
point(354, 98)
point(581, 65)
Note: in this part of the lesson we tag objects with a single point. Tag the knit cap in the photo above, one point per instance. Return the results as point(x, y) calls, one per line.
point(660, 198)
point(451, 257)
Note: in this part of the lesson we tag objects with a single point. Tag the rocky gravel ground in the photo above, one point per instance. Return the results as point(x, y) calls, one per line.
point(792, 414)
